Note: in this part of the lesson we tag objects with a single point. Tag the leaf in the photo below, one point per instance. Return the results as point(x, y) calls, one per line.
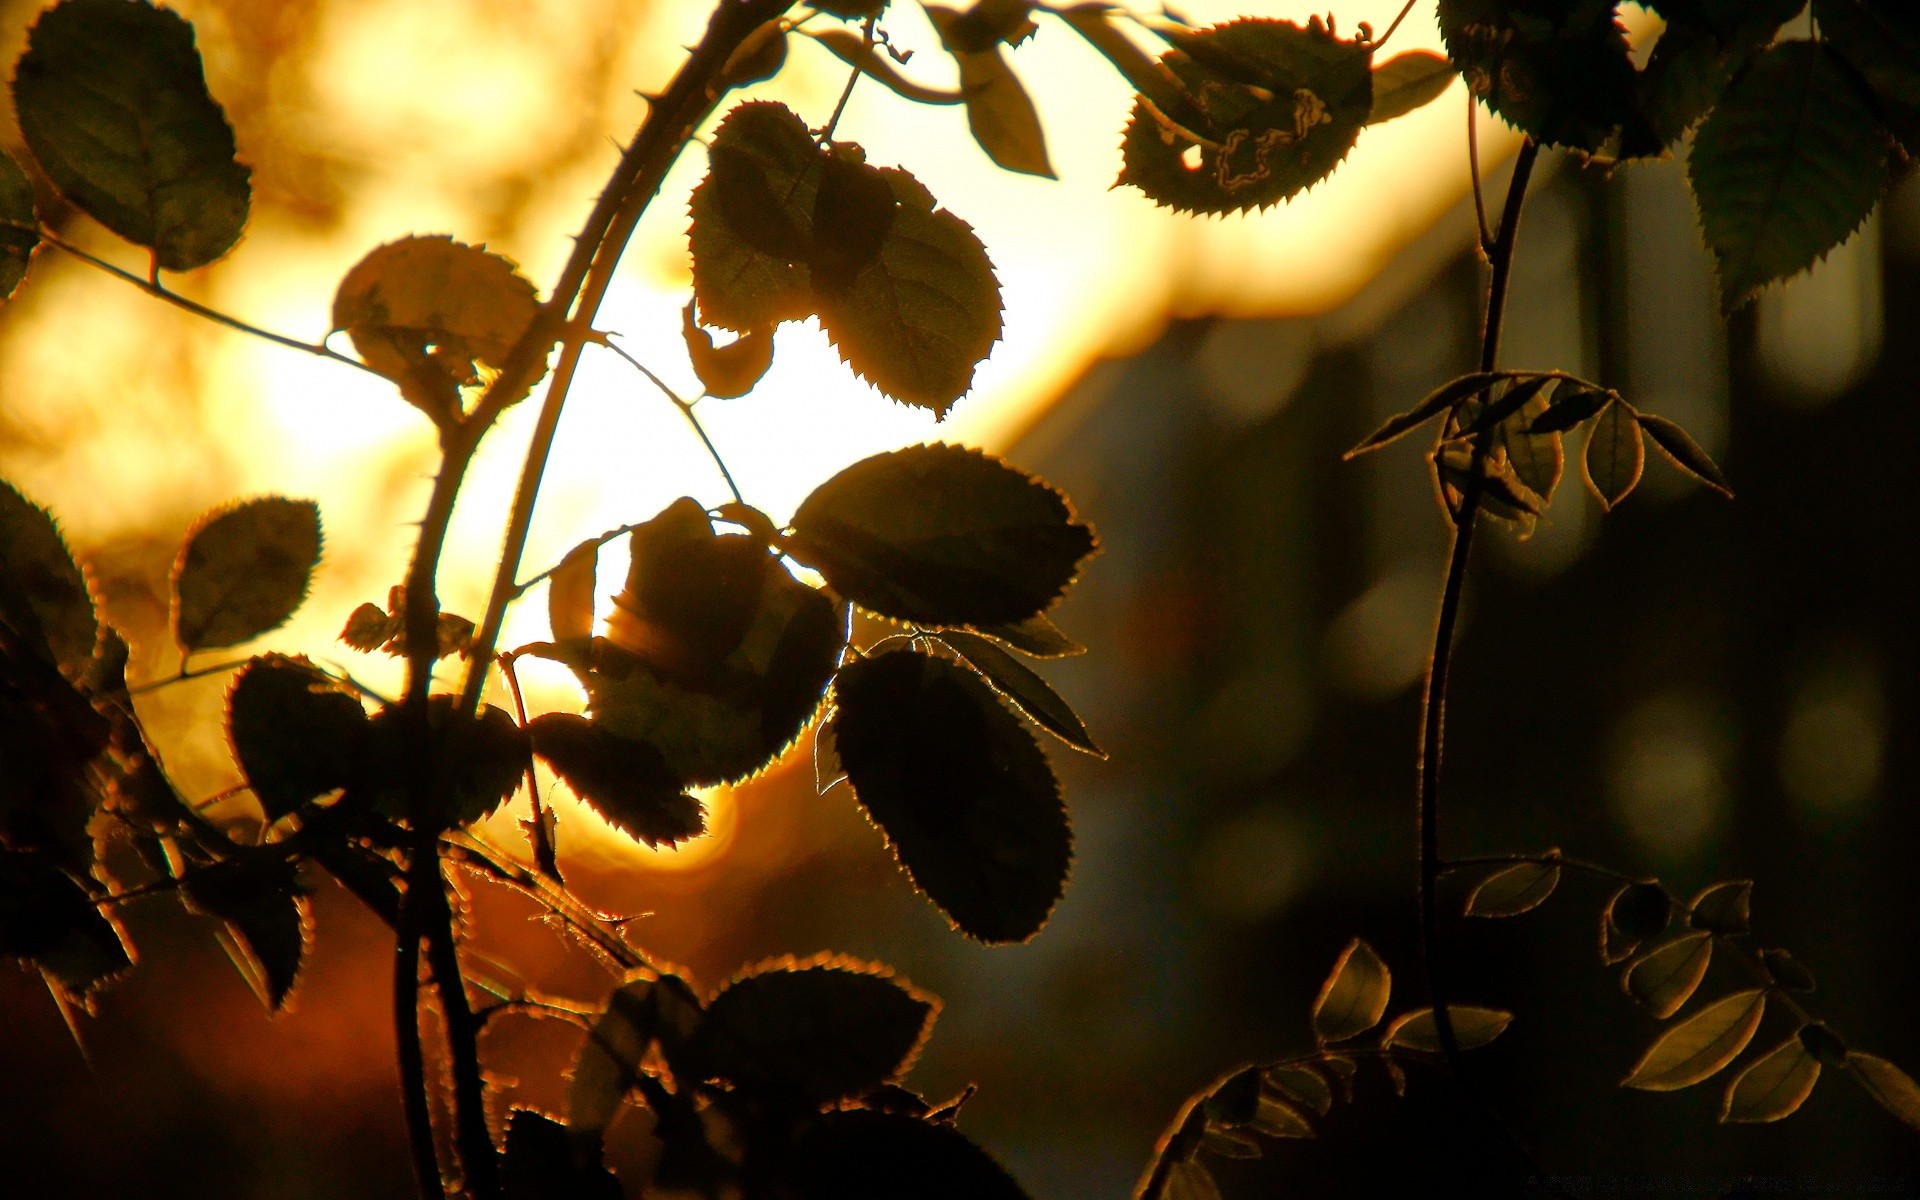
point(570, 592)
point(1407, 82)
point(731, 370)
point(243, 571)
point(19, 225)
point(963, 794)
point(50, 918)
point(819, 1031)
point(863, 1154)
point(1785, 168)
point(370, 627)
point(1881, 40)
point(1786, 970)
point(752, 219)
point(1722, 907)
point(1187, 1180)
point(999, 112)
point(1614, 455)
point(1773, 1086)
point(1270, 108)
point(114, 105)
point(428, 312)
point(1354, 996)
point(1302, 1086)
point(941, 535)
point(1639, 910)
point(38, 570)
point(1030, 693)
point(542, 1163)
point(294, 732)
point(1683, 452)
point(917, 320)
point(1510, 891)
point(624, 780)
point(268, 920)
point(1893, 1088)
point(1571, 403)
point(1562, 75)
point(1700, 1045)
point(477, 763)
point(827, 770)
point(1824, 1044)
point(853, 50)
point(1440, 400)
point(1096, 23)
point(1473, 1027)
point(1036, 636)
point(1663, 979)
point(609, 1060)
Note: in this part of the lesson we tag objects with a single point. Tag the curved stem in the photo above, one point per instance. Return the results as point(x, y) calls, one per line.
point(543, 853)
point(478, 1158)
point(413, 1068)
point(686, 410)
point(1404, 10)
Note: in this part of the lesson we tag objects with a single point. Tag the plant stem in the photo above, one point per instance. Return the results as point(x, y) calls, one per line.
point(1404, 10)
point(686, 410)
point(543, 853)
point(478, 1158)
point(413, 1068)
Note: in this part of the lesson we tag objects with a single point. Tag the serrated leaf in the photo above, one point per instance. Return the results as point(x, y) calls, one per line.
point(268, 920)
point(1510, 891)
point(1824, 1044)
point(644, 1008)
point(1664, 978)
point(570, 592)
point(1880, 38)
point(19, 225)
point(114, 105)
point(1772, 1086)
point(1440, 400)
point(819, 1032)
point(1615, 456)
point(1278, 105)
point(865, 1153)
point(1036, 637)
point(827, 769)
point(853, 50)
point(1407, 82)
point(1891, 1087)
point(41, 575)
point(1722, 907)
point(294, 732)
point(370, 627)
point(728, 371)
point(1473, 1027)
point(1786, 167)
point(243, 571)
point(941, 535)
point(1786, 970)
point(1354, 996)
point(543, 1162)
point(48, 917)
point(752, 219)
point(1030, 693)
point(477, 764)
point(1683, 452)
point(999, 112)
point(1563, 76)
point(624, 780)
point(964, 796)
point(1700, 1045)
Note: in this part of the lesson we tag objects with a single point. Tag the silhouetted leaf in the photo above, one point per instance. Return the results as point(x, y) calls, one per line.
point(370, 627)
point(941, 535)
point(570, 592)
point(1614, 457)
point(1187, 1180)
point(1772, 1086)
point(1473, 1027)
point(1510, 891)
point(1440, 400)
point(1031, 694)
point(827, 770)
point(963, 794)
point(1786, 167)
point(1880, 38)
point(1099, 24)
point(1893, 1088)
point(1354, 996)
point(1824, 1044)
point(268, 921)
point(40, 572)
point(861, 1154)
point(733, 369)
point(1721, 907)
point(1663, 979)
point(542, 1163)
point(48, 917)
point(1407, 82)
point(1786, 970)
point(1036, 636)
point(624, 780)
point(1700, 1045)
point(1277, 104)
point(477, 764)
point(243, 571)
point(19, 225)
point(853, 50)
point(114, 105)
point(820, 1031)
point(752, 219)
point(1301, 1085)
point(645, 1007)
point(1562, 75)
point(999, 112)
point(1701, 50)
point(1684, 452)
point(427, 312)
point(294, 732)
point(1634, 913)
point(1571, 403)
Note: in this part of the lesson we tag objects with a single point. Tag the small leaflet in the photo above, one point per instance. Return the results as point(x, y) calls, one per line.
point(1512, 890)
point(1773, 1086)
point(1664, 979)
point(1473, 1027)
point(1354, 996)
point(1700, 1045)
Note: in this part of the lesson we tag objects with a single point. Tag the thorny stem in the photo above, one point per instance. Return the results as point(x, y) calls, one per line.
point(471, 1136)
point(686, 410)
point(413, 1067)
point(469, 851)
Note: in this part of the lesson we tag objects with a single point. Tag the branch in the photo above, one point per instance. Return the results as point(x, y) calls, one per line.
point(413, 1068)
point(543, 853)
point(686, 410)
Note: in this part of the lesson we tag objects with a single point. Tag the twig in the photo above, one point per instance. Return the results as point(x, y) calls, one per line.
point(1473, 169)
point(529, 583)
point(181, 676)
point(413, 1067)
point(686, 410)
point(543, 854)
point(478, 1158)
point(846, 94)
point(1407, 8)
point(471, 851)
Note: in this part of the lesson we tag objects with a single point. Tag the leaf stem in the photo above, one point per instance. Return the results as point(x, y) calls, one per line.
point(1473, 169)
point(1404, 10)
point(181, 676)
point(686, 410)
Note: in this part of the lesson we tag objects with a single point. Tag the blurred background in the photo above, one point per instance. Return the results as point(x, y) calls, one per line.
point(1691, 687)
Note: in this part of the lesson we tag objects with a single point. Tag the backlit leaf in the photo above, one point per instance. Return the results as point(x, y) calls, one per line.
point(853, 50)
point(999, 112)
point(1786, 970)
point(19, 225)
point(1615, 456)
point(1684, 452)
point(542, 1162)
point(1407, 82)
point(752, 219)
point(1639, 910)
point(623, 779)
point(40, 572)
point(1561, 75)
point(1030, 693)
point(731, 370)
point(1571, 403)
point(370, 627)
point(827, 770)
point(1473, 1027)
point(1036, 636)
point(1302, 1085)
point(643, 1009)
point(243, 571)
point(863, 1154)
point(1535, 460)
point(1772, 1086)
point(1701, 50)
point(1893, 1088)
point(1700, 1045)
point(294, 732)
point(478, 764)
point(1439, 400)
point(570, 592)
point(1354, 996)
point(268, 921)
point(1824, 1044)
point(1880, 38)
point(1722, 907)
point(1664, 978)
point(114, 105)
point(48, 917)
point(941, 535)
point(1510, 891)
point(964, 796)
point(1788, 165)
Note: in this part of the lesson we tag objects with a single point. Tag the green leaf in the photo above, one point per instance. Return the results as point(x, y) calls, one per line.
point(542, 1162)
point(428, 312)
point(1722, 907)
point(853, 50)
point(1786, 168)
point(50, 918)
point(1441, 399)
point(1824, 1044)
point(1354, 996)
point(41, 573)
point(477, 765)
point(1785, 970)
point(999, 112)
point(1473, 1027)
point(1700, 1045)
point(941, 535)
point(818, 1031)
point(114, 105)
point(862, 1153)
point(1269, 108)
point(1664, 978)
point(1031, 694)
point(1407, 82)
point(1615, 456)
point(752, 219)
point(1510, 891)
point(1036, 636)
point(268, 920)
point(243, 571)
point(1572, 402)
point(19, 225)
point(1683, 452)
point(295, 733)
point(1563, 76)
point(1891, 1087)
point(1773, 1086)
point(1301, 1085)
point(964, 796)
point(624, 780)
point(1881, 38)
point(728, 371)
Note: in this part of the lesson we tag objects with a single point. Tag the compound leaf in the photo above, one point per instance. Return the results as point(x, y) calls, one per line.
point(1030, 693)
point(1664, 978)
point(1615, 456)
point(1700, 1045)
point(243, 571)
point(1512, 890)
point(625, 780)
point(1473, 1027)
point(40, 572)
point(294, 732)
point(1407, 82)
point(1436, 402)
point(1354, 996)
point(1772, 1086)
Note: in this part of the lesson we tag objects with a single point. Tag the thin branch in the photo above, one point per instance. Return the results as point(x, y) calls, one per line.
point(478, 1159)
point(1407, 8)
point(533, 580)
point(846, 94)
point(543, 853)
point(181, 676)
point(472, 852)
point(1473, 169)
point(686, 410)
point(413, 1067)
